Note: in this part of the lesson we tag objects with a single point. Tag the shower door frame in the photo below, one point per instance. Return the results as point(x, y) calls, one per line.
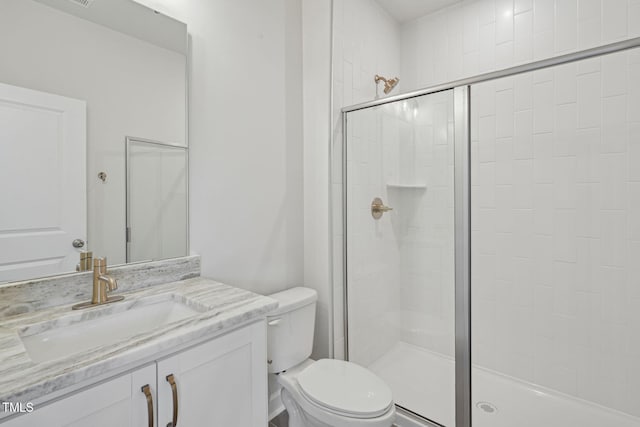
point(462, 209)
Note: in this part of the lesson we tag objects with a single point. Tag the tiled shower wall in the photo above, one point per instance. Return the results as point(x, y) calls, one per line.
point(554, 195)
point(555, 199)
point(366, 43)
point(424, 223)
point(556, 228)
point(373, 255)
point(474, 37)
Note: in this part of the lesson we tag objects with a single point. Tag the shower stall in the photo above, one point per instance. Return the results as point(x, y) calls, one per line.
point(491, 251)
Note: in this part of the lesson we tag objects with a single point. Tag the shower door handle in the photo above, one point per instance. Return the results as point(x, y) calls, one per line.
point(378, 208)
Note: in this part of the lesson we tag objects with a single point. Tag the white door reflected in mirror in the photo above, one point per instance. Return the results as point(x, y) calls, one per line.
point(41, 217)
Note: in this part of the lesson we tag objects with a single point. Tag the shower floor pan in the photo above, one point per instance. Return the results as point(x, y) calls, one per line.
point(422, 382)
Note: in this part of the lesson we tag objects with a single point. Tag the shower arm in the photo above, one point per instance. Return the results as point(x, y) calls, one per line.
point(389, 84)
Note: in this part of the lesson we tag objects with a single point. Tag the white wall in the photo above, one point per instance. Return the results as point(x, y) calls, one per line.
point(316, 48)
point(48, 50)
point(245, 139)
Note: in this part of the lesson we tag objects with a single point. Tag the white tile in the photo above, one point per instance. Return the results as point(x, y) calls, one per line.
point(614, 178)
point(470, 63)
point(614, 74)
point(543, 158)
point(589, 33)
point(614, 244)
point(485, 94)
point(471, 30)
point(504, 161)
point(521, 6)
point(633, 191)
point(487, 139)
point(589, 101)
point(486, 12)
point(564, 235)
point(614, 20)
point(564, 183)
point(565, 130)
point(523, 92)
point(486, 191)
point(564, 280)
point(565, 83)
point(504, 253)
point(523, 184)
point(587, 155)
point(487, 49)
point(504, 21)
point(587, 66)
point(542, 114)
point(523, 37)
point(504, 55)
point(589, 9)
point(523, 138)
point(633, 98)
point(634, 152)
point(614, 125)
point(634, 19)
point(543, 45)
point(543, 75)
point(544, 15)
point(504, 114)
point(566, 25)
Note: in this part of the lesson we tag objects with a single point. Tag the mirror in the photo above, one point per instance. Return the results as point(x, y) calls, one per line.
point(92, 93)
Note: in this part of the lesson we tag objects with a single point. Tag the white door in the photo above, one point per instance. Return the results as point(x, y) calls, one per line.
point(119, 402)
point(42, 182)
point(219, 383)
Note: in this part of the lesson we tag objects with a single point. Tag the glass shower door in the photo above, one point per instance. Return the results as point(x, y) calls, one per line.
point(400, 264)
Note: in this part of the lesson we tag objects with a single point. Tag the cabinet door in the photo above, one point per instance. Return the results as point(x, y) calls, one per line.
point(118, 402)
point(219, 383)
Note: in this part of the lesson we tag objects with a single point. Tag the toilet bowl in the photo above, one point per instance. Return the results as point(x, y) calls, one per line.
point(326, 392)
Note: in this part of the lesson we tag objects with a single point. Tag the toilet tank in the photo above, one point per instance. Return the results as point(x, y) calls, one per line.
point(290, 328)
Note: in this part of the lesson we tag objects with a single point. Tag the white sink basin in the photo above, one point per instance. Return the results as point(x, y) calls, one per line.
point(104, 327)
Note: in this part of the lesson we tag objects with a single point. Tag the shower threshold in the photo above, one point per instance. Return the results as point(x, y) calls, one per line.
point(422, 382)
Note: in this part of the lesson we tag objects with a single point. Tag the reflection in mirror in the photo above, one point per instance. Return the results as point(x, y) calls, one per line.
point(156, 200)
point(75, 81)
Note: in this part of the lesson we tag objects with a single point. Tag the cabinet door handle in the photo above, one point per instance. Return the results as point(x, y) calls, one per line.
point(147, 392)
point(174, 389)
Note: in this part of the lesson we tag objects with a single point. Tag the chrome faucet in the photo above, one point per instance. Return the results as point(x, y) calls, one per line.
point(102, 283)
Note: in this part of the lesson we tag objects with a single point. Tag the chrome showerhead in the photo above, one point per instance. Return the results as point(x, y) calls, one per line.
point(389, 84)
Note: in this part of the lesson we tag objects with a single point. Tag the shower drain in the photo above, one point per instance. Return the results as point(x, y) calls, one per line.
point(487, 407)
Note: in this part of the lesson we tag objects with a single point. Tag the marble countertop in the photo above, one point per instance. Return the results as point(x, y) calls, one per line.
point(219, 307)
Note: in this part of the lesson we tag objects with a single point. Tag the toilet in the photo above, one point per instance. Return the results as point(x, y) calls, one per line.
point(326, 392)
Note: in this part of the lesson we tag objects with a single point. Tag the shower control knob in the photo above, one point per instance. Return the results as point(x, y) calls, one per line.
point(378, 208)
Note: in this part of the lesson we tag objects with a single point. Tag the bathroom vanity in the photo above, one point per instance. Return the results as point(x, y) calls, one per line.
point(218, 382)
point(190, 351)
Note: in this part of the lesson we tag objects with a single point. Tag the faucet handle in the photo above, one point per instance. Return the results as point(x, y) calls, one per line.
point(112, 284)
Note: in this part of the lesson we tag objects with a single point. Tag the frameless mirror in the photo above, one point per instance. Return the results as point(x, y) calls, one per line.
point(78, 79)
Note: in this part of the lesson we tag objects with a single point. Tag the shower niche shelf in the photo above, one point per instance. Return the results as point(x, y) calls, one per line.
point(421, 187)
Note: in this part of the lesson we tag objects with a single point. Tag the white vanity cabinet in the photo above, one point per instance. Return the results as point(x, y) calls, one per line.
point(117, 402)
point(221, 382)
point(218, 383)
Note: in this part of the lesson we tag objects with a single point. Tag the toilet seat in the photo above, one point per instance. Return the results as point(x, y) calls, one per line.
point(345, 389)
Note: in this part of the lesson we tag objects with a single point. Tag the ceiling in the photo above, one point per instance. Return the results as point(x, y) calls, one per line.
point(406, 10)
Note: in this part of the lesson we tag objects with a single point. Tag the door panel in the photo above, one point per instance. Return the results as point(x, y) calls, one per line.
point(36, 231)
point(400, 258)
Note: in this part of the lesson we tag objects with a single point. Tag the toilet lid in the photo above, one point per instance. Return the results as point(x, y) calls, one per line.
point(346, 388)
